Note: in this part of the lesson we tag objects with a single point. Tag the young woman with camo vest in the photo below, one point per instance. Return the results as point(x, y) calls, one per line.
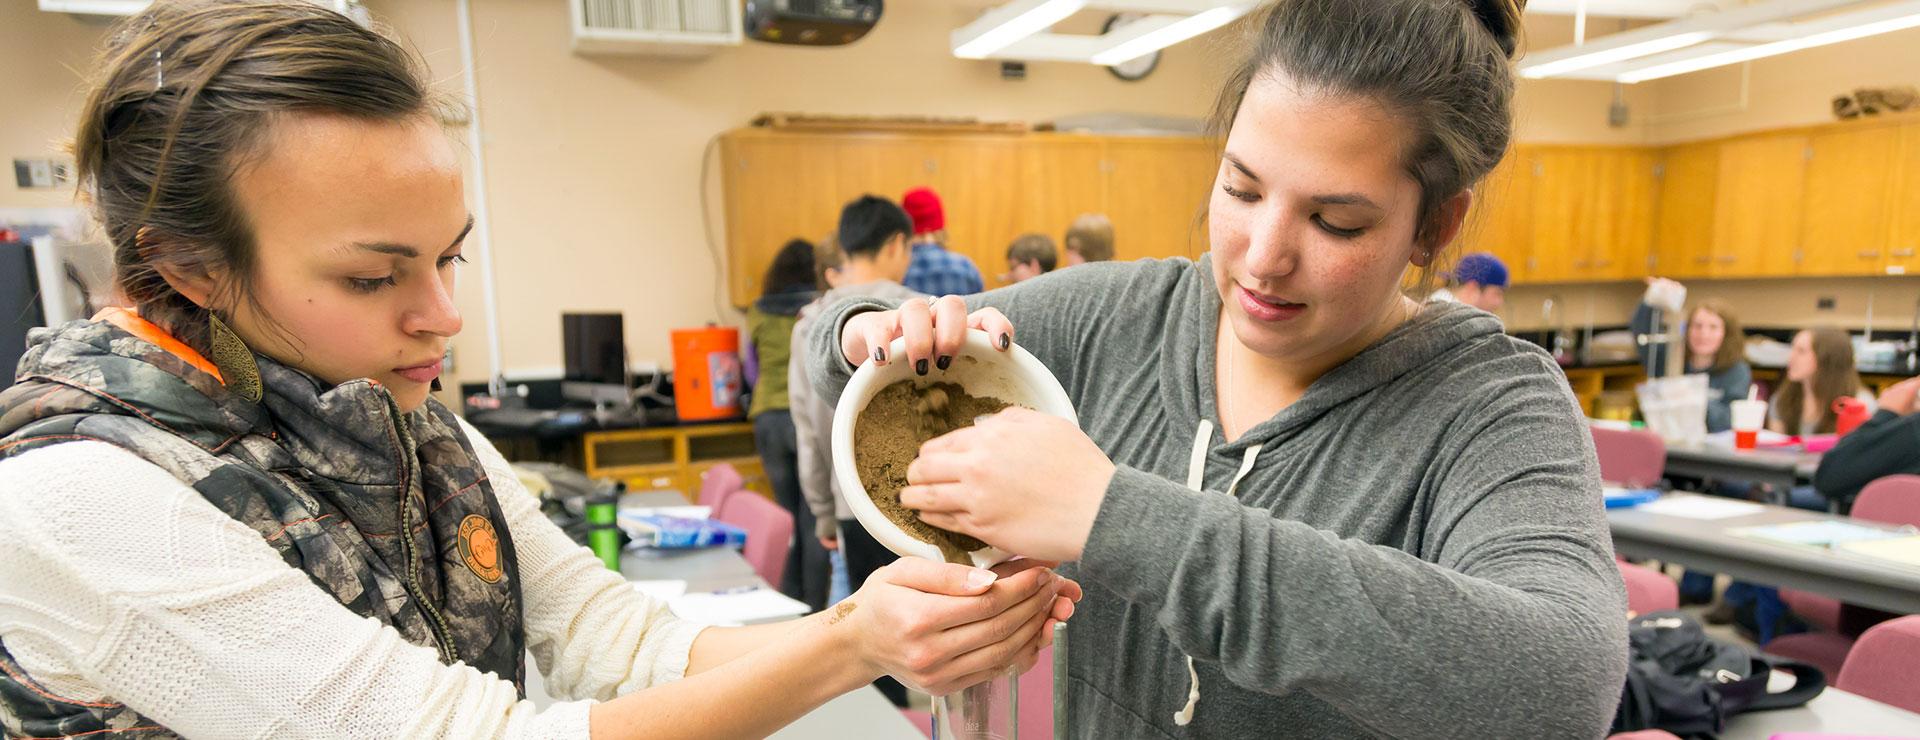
point(231, 509)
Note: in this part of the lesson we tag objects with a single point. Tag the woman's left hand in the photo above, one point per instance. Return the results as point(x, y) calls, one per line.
point(1023, 481)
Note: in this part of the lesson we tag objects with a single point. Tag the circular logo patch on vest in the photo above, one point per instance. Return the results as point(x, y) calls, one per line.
point(480, 547)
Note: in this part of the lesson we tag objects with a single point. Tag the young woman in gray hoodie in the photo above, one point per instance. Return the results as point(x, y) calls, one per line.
point(1302, 504)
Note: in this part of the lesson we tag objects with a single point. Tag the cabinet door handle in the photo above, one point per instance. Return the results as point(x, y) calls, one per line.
point(1703, 260)
point(1580, 264)
point(1604, 263)
point(1908, 252)
point(1867, 254)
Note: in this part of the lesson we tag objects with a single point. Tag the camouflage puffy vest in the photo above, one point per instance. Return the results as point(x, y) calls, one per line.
point(390, 513)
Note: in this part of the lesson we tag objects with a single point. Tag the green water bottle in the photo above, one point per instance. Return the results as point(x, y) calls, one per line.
point(602, 535)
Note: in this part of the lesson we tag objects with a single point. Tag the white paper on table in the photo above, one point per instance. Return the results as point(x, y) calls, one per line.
point(1700, 507)
point(662, 589)
point(677, 512)
point(752, 606)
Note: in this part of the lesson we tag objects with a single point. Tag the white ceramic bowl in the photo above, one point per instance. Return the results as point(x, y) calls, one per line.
point(1014, 376)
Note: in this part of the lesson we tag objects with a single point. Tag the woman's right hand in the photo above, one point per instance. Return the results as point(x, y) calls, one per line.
point(942, 627)
point(934, 330)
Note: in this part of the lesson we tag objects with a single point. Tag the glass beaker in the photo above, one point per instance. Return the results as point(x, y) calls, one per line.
point(988, 711)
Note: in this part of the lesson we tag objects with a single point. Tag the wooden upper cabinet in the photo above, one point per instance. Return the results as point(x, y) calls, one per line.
point(776, 188)
point(1905, 207)
point(1849, 184)
point(1561, 209)
point(1157, 192)
point(1758, 205)
point(1500, 219)
point(977, 179)
point(1620, 233)
point(1683, 231)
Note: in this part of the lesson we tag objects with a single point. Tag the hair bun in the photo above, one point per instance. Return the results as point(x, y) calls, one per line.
point(1502, 19)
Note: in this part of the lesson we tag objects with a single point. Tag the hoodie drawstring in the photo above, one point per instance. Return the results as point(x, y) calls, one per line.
point(1196, 479)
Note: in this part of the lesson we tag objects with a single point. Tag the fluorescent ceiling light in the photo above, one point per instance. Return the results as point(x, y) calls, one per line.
point(1171, 34)
point(1616, 54)
point(1750, 53)
point(1022, 23)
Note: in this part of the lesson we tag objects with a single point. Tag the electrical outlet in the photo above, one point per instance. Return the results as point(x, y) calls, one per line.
point(1826, 303)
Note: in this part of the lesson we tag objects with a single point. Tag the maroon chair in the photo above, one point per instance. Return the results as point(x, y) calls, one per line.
point(769, 532)
point(1036, 699)
point(1648, 590)
point(1894, 499)
point(1633, 458)
point(1885, 664)
point(717, 483)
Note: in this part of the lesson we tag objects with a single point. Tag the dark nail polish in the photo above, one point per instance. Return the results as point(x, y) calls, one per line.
point(920, 366)
point(879, 354)
point(1006, 340)
point(944, 361)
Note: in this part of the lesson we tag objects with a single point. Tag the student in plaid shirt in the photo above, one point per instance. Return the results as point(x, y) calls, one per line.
point(935, 270)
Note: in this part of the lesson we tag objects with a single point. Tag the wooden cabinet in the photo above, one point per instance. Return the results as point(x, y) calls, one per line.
point(1500, 221)
point(1593, 213)
point(1758, 205)
point(1620, 230)
point(1683, 231)
point(1558, 199)
point(1157, 192)
point(779, 185)
point(1844, 229)
point(776, 188)
point(1829, 200)
point(674, 458)
point(1904, 238)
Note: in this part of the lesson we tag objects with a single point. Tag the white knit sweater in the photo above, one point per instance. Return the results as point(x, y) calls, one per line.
point(118, 583)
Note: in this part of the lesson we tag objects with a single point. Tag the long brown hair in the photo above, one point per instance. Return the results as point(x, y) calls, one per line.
point(1442, 66)
point(1834, 377)
point(185, 93)
point(1733, 344)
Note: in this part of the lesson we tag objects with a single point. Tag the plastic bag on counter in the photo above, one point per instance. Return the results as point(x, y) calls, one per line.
point(1675, 408)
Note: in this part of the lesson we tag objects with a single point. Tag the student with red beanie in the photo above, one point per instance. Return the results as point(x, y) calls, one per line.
point(935, 270)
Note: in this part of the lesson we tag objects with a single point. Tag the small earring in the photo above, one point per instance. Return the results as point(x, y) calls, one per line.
point(235, 360)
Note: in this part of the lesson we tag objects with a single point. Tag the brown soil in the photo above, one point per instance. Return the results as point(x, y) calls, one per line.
point(887, 438)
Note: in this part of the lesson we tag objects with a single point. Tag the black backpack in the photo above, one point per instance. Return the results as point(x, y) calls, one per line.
point(1682, 681)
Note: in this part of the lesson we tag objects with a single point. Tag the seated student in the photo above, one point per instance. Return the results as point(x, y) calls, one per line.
point(1089, 239)
point(1028, 257)
point(1819, 370)
point(1716, 346)
point(1478, 280)
point(1888, 444)
point(232, 508)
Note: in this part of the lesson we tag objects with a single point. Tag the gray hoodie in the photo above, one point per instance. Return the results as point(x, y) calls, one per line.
point(1416, 548)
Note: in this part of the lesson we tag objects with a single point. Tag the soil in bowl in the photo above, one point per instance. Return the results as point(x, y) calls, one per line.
point(887, 439)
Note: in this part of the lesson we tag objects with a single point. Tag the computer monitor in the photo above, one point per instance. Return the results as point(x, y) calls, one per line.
point(596, 359)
